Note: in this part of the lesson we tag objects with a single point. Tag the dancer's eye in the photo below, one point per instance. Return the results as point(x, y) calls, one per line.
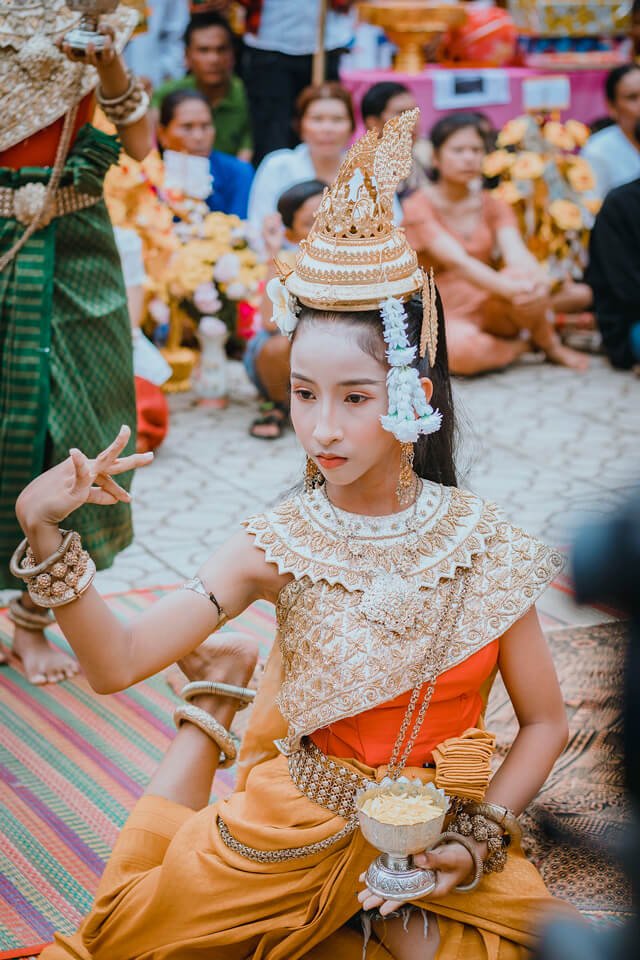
point(303, 394)
point(356, 398)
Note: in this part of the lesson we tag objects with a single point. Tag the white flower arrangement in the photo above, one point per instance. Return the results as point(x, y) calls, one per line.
point(283, 315)
point(410, 416)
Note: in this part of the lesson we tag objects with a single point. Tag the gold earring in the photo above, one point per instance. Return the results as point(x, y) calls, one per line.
point(312, 476)
point(429, 331)
point(406, 477)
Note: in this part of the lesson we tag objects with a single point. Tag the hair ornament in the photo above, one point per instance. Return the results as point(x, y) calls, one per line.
point(285, 307)
point(429, 331)
point(410, 416)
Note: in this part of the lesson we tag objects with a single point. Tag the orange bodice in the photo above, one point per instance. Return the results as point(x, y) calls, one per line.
point(39, 150)
point(457, 703)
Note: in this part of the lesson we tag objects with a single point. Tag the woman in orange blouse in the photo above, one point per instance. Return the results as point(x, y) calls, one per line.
point(493, 316)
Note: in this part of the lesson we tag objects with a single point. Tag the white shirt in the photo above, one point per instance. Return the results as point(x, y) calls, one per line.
point(277, 172)
point(159, 53)
point(290, 26)
point(613, 157)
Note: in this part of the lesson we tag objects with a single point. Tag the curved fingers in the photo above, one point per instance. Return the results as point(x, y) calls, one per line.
point(84, 475)
point(115, 448)
point(109, 485)
point(101, 497)
point(134, 461)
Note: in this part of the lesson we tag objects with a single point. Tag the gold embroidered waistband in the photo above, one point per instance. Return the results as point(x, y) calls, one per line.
point(321, 780)
point(325, 781)
point(24, 204)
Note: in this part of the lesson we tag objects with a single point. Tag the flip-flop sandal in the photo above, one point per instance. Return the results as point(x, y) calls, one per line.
point(271, 416)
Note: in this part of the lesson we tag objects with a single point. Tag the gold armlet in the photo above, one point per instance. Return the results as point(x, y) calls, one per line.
point(197, 586)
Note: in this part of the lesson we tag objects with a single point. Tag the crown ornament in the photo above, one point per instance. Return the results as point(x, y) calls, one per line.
point(355, 256)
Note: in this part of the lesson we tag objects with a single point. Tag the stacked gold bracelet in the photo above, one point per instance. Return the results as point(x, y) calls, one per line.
point(491, 824)
point(61, 578)
point(129, 107)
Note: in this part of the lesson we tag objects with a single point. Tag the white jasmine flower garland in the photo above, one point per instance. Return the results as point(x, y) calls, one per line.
point(409, 413)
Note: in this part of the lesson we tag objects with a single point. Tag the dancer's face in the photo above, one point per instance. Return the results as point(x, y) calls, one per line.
point(338, 394)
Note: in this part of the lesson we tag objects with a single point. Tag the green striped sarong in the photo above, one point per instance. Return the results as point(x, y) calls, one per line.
point(66, 374)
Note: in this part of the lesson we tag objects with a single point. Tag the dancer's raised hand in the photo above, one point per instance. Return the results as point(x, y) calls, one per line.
point(78, 480)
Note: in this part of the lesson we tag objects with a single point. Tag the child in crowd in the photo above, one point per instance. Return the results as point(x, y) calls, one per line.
point(267, 356)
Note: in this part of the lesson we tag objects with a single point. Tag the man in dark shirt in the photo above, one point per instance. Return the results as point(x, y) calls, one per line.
point(614, 274)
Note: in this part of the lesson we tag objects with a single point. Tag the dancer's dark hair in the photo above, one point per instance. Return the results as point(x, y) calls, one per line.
point(434, 454)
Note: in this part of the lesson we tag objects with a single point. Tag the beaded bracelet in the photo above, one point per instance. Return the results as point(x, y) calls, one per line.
point(61, 578)
point(483, 830)
point(127, 108)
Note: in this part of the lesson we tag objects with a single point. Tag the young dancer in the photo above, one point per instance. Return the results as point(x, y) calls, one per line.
point(398, 596)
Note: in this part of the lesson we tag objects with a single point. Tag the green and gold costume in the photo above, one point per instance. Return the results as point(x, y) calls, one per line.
point(66, 375)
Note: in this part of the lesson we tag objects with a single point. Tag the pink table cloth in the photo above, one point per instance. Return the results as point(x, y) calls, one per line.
point(587, 93)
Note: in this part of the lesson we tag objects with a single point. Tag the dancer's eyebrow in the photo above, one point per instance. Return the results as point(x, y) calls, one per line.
point(343, 383)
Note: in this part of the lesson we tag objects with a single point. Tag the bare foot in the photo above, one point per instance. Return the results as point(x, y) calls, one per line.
point(566, 357)
point(227, 657)
point(42, 663)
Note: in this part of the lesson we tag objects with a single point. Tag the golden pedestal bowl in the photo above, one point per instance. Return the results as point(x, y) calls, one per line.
point(182, 361)
point(411, 25)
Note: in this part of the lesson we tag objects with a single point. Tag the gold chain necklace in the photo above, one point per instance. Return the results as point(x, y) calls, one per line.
point(429, 675)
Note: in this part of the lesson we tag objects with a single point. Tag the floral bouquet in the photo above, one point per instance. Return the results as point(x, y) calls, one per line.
point(216, 275)
point(545, 181)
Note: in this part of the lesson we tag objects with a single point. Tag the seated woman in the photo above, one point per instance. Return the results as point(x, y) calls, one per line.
point(185, 126)
point(325, 121)
point(266, 358)
point(493, 316)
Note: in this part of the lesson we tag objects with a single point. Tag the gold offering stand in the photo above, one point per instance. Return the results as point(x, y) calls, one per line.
point(412, 25)
point(181, 359)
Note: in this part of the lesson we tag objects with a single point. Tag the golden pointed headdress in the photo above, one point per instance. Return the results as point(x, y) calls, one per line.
point(355, 256)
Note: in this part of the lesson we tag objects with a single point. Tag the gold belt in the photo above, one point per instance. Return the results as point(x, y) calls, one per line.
point(324, 781)
point(25, 203)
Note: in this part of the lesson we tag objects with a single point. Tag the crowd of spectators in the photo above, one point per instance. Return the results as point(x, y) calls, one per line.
point(274, 140)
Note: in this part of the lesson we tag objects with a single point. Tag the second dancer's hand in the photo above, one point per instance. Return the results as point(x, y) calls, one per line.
point(78, 480)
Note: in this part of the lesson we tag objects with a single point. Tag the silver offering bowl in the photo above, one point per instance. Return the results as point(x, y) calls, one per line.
point(86, 32)
point(393, 875)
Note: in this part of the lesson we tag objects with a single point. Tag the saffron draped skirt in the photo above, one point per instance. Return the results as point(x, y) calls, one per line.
point(173, 891)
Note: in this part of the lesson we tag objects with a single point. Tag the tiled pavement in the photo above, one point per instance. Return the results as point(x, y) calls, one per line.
point(550, 445)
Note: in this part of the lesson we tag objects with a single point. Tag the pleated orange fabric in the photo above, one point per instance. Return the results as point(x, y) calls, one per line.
point(173, 891)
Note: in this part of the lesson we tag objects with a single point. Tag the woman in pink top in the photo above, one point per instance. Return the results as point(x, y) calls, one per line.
point(493, 315)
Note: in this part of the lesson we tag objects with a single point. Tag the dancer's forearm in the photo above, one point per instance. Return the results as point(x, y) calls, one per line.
point(114, 655)
point(527, 765)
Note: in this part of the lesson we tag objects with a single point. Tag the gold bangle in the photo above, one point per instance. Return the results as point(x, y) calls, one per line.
point(450, 837)
point(188, 713)
point(21, 553)
point(505, 818)
point(198, 688)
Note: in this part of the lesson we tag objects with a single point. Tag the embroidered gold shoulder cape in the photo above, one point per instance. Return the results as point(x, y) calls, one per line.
point(361, 620)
